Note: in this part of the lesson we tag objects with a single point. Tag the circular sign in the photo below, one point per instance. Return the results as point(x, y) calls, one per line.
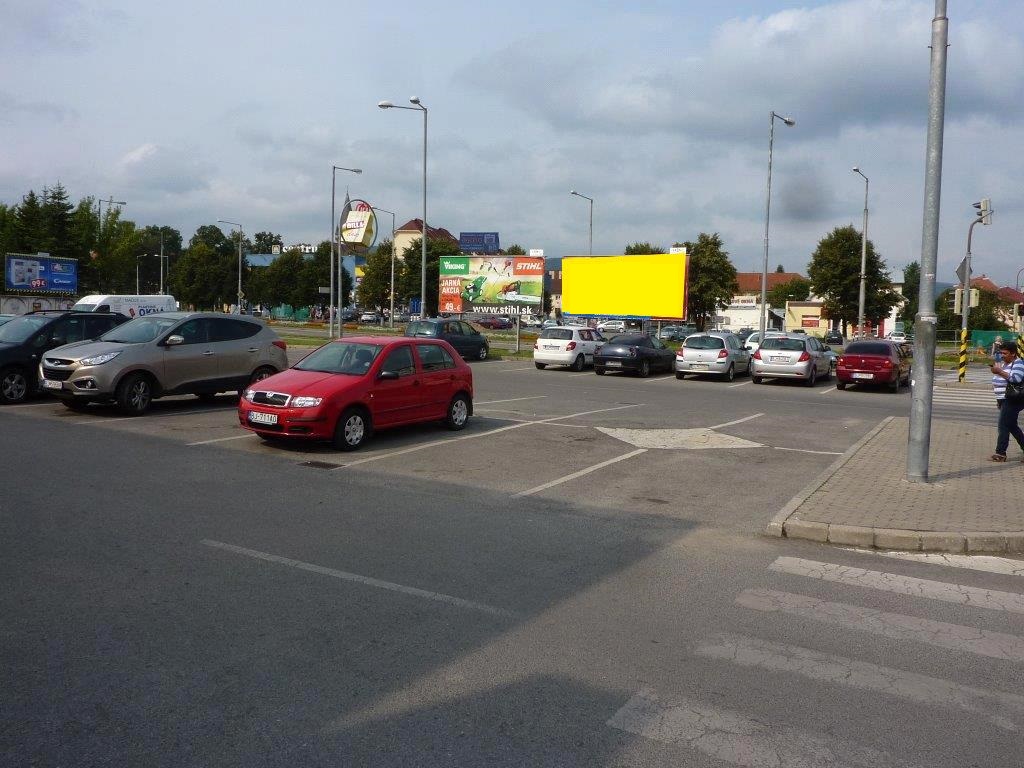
point(358, 232)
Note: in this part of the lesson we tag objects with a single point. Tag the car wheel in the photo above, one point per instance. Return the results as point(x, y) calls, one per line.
point(840, 385)
point(75, 405)
point(134, 394)
point(352, 430)
point(680, 375)
point(482, 354)
point(599, 371)
point(261, 373)
point(644, 369)
point(730, 374)
point(755, 379)
point(458, 413)
point(13, 385)
point(541, 366)
point(894, 385)
point(812, 378)
point(578, 363)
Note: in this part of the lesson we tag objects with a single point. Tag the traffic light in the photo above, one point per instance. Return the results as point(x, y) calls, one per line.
point(975, 297)
point(958, 301)
point(984, 207)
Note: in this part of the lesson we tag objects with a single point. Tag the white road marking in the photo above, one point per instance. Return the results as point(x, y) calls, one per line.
point(741, 384)
point(221, 439)
point(162, 415)
point(581, 473)
point(901, 585)
point(513, 370)
point(365, 580)
point(584, 373)
point(737, 739)
point(670, 377)
point(1005, 566)
point(808, 450)
point(15, 406)
point(446, 441)
point(738, 421)
point(995, 645)
point(1006, 710)
point(509, 400)
point(826, 391)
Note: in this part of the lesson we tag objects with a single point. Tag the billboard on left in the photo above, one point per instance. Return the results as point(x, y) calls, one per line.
point(497, 285)
point(36, 273)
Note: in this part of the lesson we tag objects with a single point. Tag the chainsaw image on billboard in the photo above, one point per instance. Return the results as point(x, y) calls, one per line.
point(496, 285)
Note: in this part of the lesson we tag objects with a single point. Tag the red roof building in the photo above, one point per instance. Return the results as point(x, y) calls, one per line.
point(750, 282)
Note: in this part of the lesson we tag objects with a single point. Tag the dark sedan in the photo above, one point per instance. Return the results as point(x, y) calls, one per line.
point(640, 354)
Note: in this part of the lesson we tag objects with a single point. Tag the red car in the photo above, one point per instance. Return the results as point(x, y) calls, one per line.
point(346, 389)
point(874, 362)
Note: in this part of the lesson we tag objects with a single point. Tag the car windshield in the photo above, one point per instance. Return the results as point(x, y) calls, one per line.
point(421, 328)
point(18, 330)
point(704, 342)
point(556, 333)
point(140, 330)
point(786, 345)
point(627, 340)
point(349, 358)
point(868, 348)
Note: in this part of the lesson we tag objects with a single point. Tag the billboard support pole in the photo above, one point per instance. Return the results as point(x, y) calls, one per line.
point(517, 333)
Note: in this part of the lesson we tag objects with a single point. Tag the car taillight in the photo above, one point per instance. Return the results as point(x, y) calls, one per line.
point(722, 354)
point(804, 357)
point(570, 346)
point(887, 363)
point(756, 355)
point(280, 343)
point(841, 361)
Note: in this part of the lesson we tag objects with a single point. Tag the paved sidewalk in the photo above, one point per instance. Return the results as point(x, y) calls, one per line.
point(863, 499)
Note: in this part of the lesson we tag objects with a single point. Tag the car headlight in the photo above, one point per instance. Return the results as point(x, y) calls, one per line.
point(305, 402)
point(99, 359)
point(249, 394)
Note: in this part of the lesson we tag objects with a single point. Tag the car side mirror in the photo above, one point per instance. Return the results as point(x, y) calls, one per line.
point(387, 375)
point(174, 340)
point(748, 349)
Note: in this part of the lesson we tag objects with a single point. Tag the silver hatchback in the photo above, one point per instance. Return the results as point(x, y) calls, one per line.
point(791, 357)
point(717, 353)
point(199, 353)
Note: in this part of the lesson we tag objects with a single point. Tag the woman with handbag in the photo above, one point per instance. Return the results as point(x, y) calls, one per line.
point(1008, 386)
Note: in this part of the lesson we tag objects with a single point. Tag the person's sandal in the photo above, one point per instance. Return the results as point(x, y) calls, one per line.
point(998, 457)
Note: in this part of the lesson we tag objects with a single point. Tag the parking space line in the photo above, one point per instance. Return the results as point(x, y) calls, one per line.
point(368, 581)
point(513, 370)
point(165, 415)
point(30, 405)
point(807, 450)
point(220, 439)
point(826, 391)
point(581, 473)
point(435, 443)
point(509, 400)
point(661, 378)
point(585, 373)
point(741, 384)
point(737, 421)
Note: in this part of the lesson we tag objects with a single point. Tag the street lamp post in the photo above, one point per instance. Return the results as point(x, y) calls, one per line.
point(574, 192)
point(99, 213)
point(240, 294)
point(415, 100)
point(391, 317)
point(767, 216)
point(138, 258)
point(863, 258)
point(335, 253)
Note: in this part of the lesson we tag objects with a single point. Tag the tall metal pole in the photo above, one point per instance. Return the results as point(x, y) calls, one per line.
point(591, 201)
point(239, 303)
point(919, 441)
point(330, 261)
point(391, 317)
point(162, 262)
point(863, 259)
point(423, 244)
point(965, 304)
point(767, 217)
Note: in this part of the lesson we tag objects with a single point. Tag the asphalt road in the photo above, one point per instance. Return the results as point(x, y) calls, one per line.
point(578, 578)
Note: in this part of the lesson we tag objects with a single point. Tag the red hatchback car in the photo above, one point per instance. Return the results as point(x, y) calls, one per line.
point(346, 389)
point(874, 362)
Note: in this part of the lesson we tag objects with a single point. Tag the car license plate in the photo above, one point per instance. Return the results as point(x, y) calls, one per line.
point(48, 384)
point(699, 366)
point(550, 346)
point(262, 418)
point(779, 359)
point(863, 376)
point(613, 364)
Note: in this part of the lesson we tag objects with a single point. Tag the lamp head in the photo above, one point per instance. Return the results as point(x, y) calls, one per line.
point(572, 191)
point(357, 170)
point(856, 169)
point(789, 121)
point(414, 100)
point(385, 104)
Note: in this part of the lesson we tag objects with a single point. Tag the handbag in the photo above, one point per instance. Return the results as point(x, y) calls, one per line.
point(1014, 392)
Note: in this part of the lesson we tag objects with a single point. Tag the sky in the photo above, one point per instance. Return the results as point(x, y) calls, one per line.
point(660, 111)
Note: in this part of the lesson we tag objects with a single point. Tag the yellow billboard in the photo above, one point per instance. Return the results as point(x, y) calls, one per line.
point(649, 285)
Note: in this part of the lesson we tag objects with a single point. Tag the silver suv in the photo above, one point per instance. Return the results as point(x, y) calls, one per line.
point(173, 353)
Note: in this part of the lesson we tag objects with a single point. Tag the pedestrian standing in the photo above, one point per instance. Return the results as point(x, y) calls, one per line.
point(1010, 371)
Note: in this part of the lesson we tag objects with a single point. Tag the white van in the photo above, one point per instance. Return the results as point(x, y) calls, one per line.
point(129, 306)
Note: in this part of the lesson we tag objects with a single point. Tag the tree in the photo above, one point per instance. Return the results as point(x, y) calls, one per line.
point(911, 286)
point(797, 289)
point(31, 228)
point(986, 316)
point(712, 279)
point(264, 242)
point(56, 219)
point(639, 248)
point(375, 289)
point(780, 269)
point(515, 250)
point(835, 274)
point(407, 281)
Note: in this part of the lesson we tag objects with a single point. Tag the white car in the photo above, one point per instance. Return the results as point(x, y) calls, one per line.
point(571, 345)
point(612, 326)
point(898, 336)
point(753, 341)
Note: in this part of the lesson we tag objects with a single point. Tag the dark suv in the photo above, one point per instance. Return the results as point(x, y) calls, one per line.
point(466, 339)
point(24, 339)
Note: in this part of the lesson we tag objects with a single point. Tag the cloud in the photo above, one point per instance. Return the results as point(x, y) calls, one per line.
point(152, 168)
point(12, 107)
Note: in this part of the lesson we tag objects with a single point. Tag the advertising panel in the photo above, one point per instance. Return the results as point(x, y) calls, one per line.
point(501, 285)
point(38, 273)
point(643, 286)
point(479, 242)
point(359, 226)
